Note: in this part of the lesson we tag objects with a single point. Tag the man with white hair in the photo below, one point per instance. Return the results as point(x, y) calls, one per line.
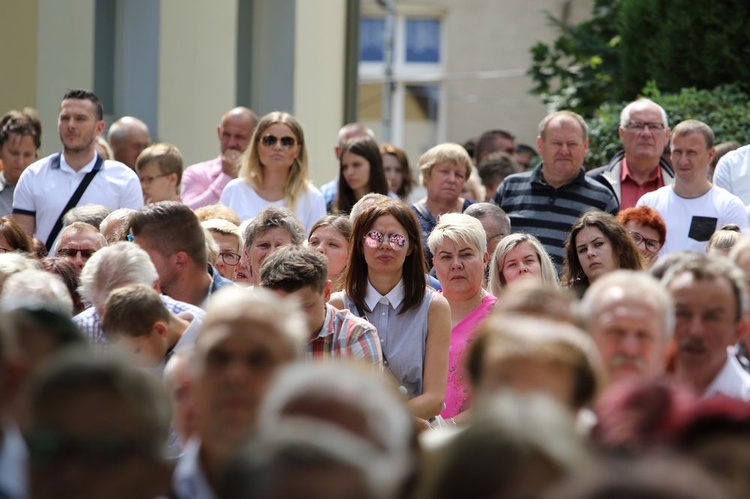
point(246, 337)
point(630, 316)
point(113, 267)
point(638, 168)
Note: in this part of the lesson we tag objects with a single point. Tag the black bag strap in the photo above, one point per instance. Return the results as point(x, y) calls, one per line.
point(55, 163)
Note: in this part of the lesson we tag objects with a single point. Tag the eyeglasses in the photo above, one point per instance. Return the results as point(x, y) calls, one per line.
point(374, 239)
point(150, 178)
point(230, 258)
point(72, 252)
point(271, 140)
point(651, 244)
point(639, 126)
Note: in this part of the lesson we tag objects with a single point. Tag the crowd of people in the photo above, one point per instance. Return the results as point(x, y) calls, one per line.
point(508, 325)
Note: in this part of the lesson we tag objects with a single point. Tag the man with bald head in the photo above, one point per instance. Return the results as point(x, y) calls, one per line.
point(127, 137)
point(547, 200)
point(202, 183)
point(639, 168)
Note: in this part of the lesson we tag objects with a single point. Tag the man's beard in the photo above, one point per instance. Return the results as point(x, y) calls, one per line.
point(76, 149)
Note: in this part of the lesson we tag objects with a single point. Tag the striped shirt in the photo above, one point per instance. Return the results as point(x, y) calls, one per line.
point(536, 208)
point(345, 335)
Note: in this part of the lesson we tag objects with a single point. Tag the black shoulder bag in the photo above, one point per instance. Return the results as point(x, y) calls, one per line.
point(55, 163)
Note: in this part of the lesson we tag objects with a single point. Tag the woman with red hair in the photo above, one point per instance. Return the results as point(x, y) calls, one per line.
point(647, 228)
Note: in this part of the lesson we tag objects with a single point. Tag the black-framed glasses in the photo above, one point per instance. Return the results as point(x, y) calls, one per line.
point(271, 140)
point(229, 258)
point(72, 252)
point(150, 178)
point(375, 238)
point(651, 244)
point(640, 126)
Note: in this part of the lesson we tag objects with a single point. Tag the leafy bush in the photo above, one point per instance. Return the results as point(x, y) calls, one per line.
point(681, 43)
point(726, 109)
point(579, 70)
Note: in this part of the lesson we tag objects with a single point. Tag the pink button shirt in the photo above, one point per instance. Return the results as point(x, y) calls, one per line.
point(202, 183)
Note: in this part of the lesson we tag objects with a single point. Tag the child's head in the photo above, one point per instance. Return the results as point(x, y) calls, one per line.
point(160, 169)
point(135, 318)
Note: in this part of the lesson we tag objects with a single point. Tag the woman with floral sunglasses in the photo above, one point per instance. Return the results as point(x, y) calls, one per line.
point(274, 173)
point(384, 281)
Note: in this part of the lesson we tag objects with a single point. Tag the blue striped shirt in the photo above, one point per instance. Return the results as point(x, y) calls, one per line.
point(537, 208)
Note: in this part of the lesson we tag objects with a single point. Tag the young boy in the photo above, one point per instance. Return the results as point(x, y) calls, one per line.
point(303, 273)
point(135, 318)
point(160, 169)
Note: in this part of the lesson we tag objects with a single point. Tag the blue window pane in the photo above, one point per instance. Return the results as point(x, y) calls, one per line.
point(371, 40)
point(423, 40)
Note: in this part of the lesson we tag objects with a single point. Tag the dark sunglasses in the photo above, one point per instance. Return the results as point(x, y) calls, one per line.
point(271, 140)
point(72, 252)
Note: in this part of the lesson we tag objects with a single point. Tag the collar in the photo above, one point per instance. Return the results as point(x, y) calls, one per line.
point(188, 479)
point(536, 176)
point(394, 296)
point(731, 381)
point(326, 329)
point(87, 168)
point(625, 173)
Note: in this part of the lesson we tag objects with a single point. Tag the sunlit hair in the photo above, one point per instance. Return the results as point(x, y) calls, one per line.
point(165, 156)
point(626, 253)
point(708, 268)
point(14, 235)
point(355, 275)
point(723, 240)
point(640, 103)
point(114, 266)
point(248, 311)
point(639, 286)
point(366, 148)
point(688, 127)
point(540, 300)
point(645, 216)
point(506, 245)
point(565, 116)
point(340, 223)
point(225, 227)
point(460, 229)
point(274, 217)
point(408, 184)
point(19, 123)
point(367, 200)
point(217, 211)
point(252, 171)
point(444, 153)
point(512, 337)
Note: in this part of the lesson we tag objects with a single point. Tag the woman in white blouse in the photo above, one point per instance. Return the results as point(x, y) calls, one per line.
point(274, 172)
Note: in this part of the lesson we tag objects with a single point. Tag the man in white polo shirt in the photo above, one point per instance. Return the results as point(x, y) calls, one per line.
point(46, 187)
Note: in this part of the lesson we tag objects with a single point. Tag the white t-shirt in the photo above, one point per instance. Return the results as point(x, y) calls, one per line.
point(733, 173)
point(43, 191)
point(243, 199)
point(690, 222)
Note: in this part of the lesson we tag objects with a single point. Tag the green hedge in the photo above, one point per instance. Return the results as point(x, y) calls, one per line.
point(726, 109)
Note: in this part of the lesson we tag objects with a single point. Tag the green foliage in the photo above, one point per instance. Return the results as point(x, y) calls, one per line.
point(579, 70)
point(726, 109)
point(626, 43)
point(680, 43)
